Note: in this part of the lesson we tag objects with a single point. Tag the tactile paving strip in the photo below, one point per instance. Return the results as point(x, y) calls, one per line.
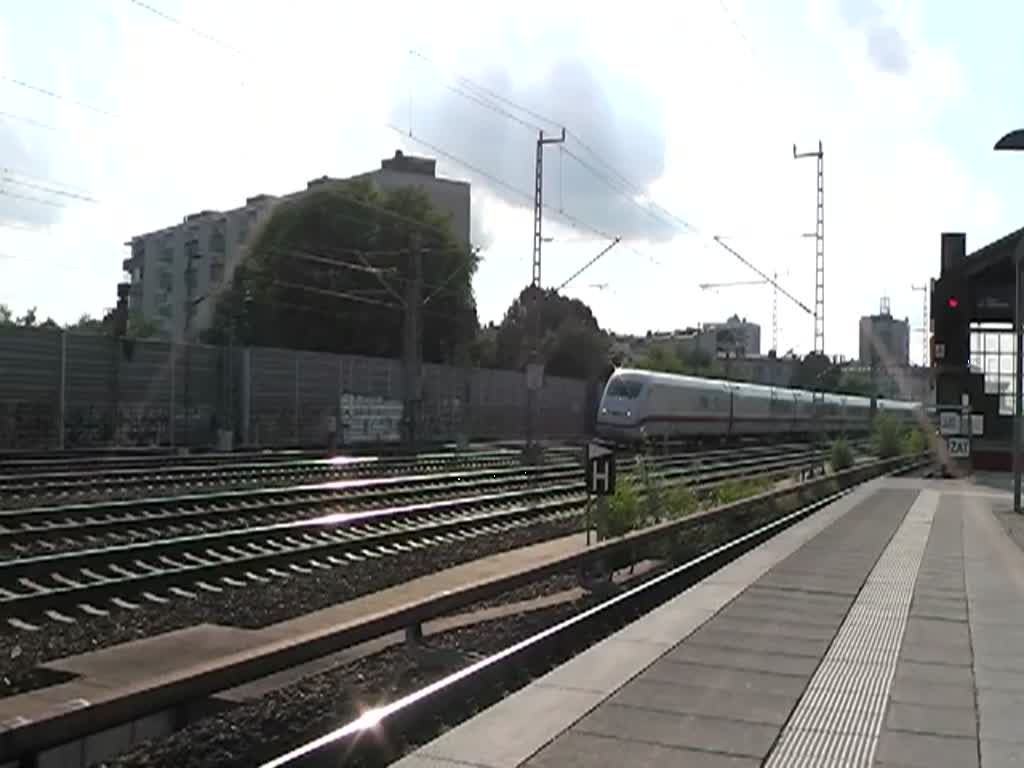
point(838, 720)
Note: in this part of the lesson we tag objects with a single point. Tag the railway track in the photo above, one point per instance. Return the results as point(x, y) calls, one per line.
point(176, 475)
point(17, 491)
point(98, 581)
point(15, 464)
point(45, 529)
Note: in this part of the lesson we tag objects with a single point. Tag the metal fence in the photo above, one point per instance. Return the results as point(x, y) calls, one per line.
point(68, 390)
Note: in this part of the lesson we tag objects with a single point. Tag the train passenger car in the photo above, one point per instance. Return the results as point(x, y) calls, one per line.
point(637, 405)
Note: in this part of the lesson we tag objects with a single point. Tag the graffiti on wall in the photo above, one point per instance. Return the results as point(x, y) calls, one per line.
point(143, 424)
point(370, 419)
point(27, 424)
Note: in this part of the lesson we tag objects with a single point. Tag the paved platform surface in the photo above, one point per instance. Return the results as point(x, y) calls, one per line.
point(886, 630)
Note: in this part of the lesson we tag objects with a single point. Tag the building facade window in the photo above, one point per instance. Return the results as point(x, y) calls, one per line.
point(217, 244)
point(165, 281)
point(993, 354)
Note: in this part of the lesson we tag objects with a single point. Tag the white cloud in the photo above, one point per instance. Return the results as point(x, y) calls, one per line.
point(320, 85)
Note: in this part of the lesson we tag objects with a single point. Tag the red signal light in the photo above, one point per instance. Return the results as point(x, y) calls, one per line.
point(952, 302)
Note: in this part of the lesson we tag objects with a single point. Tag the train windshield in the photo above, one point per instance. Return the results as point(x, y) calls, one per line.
point(627, 388)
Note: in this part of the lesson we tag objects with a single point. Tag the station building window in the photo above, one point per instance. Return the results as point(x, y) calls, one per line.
point(993, 354)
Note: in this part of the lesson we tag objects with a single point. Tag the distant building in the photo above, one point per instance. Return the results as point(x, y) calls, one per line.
point(733, 338)
point(157, 264)
point(884, 340)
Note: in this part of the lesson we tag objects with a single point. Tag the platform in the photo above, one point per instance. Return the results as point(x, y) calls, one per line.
point(885, 630)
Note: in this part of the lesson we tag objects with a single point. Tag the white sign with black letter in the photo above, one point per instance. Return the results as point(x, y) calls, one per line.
point(600, 470)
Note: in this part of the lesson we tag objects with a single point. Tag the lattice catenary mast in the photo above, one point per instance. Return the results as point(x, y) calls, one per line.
point(538, 217)
point(924, 322)
point(538, 203)
point(819, 249)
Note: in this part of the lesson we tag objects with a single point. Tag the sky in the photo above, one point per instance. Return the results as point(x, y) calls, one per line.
point(118, 117)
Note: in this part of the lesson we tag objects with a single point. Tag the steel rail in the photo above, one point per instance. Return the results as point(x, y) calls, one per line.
point(156, 517)
point(239, 558)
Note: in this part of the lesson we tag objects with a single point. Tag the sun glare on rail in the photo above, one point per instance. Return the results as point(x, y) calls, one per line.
point(341, 461)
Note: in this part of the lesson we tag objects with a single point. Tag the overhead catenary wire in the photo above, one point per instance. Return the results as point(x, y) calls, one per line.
point(7, 178)
point(766, 278)
point(30, 198)
point(28, 120)
point(575, 221)
point(589, 264)
point(55, 95)
point(364, 267)
point(194, 30)
point(632, 188)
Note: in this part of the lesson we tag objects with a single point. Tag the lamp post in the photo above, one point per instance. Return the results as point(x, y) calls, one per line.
point(1014, 142)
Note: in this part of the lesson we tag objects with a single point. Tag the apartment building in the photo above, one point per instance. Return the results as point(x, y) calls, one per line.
point(189, 262)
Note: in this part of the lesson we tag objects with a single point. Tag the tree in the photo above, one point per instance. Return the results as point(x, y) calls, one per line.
point(88, 324)
point(484, 349)
point(329, 271)
point(28, 320)
point(139, 327)
point(856, 383)
point(570, 341)
point(669, 358)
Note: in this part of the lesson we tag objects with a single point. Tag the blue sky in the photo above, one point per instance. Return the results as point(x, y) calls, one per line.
point(696, 106)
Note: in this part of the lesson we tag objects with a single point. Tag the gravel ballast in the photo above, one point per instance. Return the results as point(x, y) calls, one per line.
point(282, 599)
point(252, 733)
point(252, 607)
point(284, 719)
point(169, 527)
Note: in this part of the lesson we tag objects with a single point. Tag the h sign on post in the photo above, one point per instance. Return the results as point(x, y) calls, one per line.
point(600, 470)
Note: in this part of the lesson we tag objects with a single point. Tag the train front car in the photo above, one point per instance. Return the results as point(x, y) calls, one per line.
point(619, 416)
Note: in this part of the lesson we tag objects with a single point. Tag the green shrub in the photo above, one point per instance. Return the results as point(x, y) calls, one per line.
point(620, 513)
point(914, 442)
point(734, 490)
point(842, 455)
point(678, 500)
point(887, 438)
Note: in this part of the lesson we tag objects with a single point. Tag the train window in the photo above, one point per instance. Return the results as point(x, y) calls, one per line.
point(704, 402)
point(625, 388)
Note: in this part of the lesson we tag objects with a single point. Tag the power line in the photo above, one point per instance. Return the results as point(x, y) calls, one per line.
point(465, 81)
point(493, 107)
point(574, 221)
point(29, 198)
point(589, 264)
point(334, 294)
point(634, 188)
point(28, 120)
point(628, 195)
point(501, 182)
point(366, 268)
point(194, 30)
point(8, 179)
point(767, 279)
point(55, 95)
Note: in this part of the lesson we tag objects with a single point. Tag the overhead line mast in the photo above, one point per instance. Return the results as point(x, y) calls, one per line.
point(819, 249)
point(534, 369)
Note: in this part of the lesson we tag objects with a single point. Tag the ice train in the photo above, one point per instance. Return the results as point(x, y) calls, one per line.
point(638, 405)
